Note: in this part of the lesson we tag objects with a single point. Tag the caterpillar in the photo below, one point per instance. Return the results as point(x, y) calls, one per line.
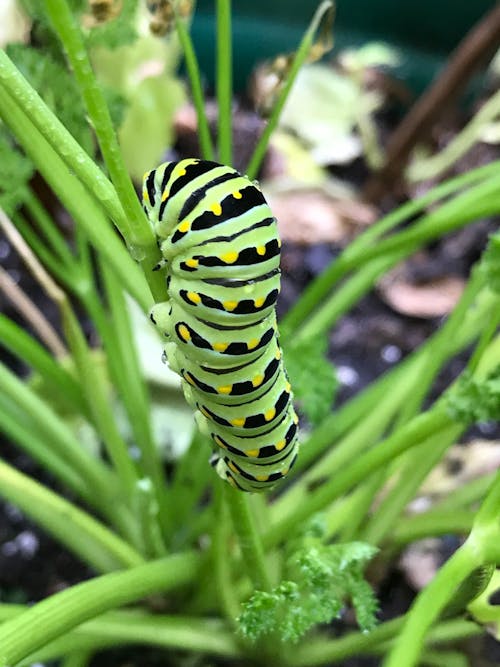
point(220, 246)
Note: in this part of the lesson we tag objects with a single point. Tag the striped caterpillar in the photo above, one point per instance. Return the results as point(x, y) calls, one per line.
point(219, 242)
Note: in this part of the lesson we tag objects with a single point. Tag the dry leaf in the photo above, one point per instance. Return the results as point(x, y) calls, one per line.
point(311, 216)
point(433, 298)
point(460, 465)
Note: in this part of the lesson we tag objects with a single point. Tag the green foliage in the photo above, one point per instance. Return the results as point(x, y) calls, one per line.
point(476, 400)
point(491, 263)
point(313, 377)
point(57, 87)
point(15, 172)
point(322, 580)
point(118, 31)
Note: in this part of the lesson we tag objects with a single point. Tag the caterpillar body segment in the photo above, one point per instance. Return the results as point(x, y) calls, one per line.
point(220, 244)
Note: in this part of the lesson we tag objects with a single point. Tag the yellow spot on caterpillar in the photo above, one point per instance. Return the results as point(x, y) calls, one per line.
point(194, 297)
point(229, 257)
point(146, 174)
point(238, 422)
point(278, 354)
point(252, 343)
point(184, 332)
point(226, 389)
point(253, 453)
point(231, 481)
point(216, 209)
point(262, 478)
point(145, 196)
point(279, 243)
point(280, 444)
point(220, 347)
point(237, 194)
point(229, 305)
point(261, 249)
point(232, 467)
point(192, 263)
point(204, 411)
point(295, 419)
point(259, 302)
point(182, 172)
point(258, 379)
point(269, 414)
point(285, 472)
point(184, 226)
point(165, 195)
point(288, 387)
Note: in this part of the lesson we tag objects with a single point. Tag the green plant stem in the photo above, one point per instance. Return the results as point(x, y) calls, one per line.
point(77, 659)
point(93, 384)
point(116, 628)
point(80, 204)
point(207, 149)
point(64, 444)
point(224, 81)
point(431, 524)
point(411, 435)
point(124, 363)
point(77, 530)
point(58, 381)
point(252, 551)
point(299, 59)
point(413, 472)
point(138, 233)
point(429, 604)
point(431, 167)
point(57, 136)
point(44, 221)
point(325, 651)
point(191, 478)
point(221, 563)
point(466, 494)
point(63, 611)
point(18, 427)
point(368, 246)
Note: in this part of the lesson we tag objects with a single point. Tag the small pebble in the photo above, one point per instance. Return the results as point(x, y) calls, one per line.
point(347, 376)
point(390, 353)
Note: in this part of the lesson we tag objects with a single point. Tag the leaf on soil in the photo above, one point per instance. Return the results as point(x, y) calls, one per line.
point(433, 298)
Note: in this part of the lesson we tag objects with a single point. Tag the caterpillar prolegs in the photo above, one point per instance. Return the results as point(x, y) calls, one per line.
point(219, 242)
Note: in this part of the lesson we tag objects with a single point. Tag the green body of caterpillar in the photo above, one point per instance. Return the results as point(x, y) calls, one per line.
point(219, 242)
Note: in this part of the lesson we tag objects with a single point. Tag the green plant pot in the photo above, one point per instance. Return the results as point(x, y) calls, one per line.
point(424, 30)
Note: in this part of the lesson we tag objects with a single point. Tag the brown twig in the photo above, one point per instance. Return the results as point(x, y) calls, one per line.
point(475, 50)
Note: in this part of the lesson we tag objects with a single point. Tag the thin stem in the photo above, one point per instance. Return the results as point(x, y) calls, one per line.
point(119, 628)
point(405, 438)
point(82, 534)
point(27, 308)
point(299, 59)
point(428, 605)
point(431, 524)
point(250, 542)
point(324, 651)
point(221, 563)
point(137, 232)
point(224, 81)
point(83, 206)
point(207, 149)
point(63, 611)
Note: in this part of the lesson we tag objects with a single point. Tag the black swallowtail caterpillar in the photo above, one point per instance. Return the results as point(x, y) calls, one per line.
point(219, 242)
